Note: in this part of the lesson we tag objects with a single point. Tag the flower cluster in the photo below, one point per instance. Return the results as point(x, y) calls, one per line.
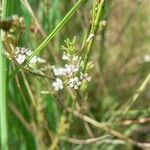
point(67, 70)
point(69, 74)
point(22, 53)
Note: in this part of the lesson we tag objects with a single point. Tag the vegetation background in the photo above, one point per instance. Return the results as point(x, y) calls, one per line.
point(112, 112)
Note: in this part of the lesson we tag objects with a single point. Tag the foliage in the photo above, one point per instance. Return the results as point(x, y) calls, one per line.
point(74, 75)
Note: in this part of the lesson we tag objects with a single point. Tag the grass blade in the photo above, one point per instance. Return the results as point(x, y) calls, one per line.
point(58, 27)
point(7, 7)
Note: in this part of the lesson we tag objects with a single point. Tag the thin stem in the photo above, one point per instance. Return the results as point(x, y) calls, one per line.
point(104, 127)
point(7, 8)
point(28, 88)
point(3, 101)
point(103, 35)
point(123, 110)
point(137, 94)
point(91, 42)
point(51, 35)
point(42, 32)
point(58, 27)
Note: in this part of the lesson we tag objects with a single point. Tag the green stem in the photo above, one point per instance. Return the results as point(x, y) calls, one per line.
point(123, 110)
point(103, 35)
point(7, 8)
point(102, 49)
point(91, 42)
point(3, 101)
point(52, 34)
point(137, 94)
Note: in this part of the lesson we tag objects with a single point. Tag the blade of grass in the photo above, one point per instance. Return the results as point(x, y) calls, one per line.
point(7, 8)
point(41, 30)
point(136, 95)
point(125, 108)
point(55, 19)
point(51, 35)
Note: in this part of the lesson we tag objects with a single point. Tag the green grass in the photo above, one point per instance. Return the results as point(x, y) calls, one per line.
point(111, 111)
point(7, 7)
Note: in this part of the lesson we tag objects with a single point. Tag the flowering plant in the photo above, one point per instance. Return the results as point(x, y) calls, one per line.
point(68, 75)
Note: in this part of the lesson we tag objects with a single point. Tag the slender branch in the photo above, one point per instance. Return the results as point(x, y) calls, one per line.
point(104, 127)
point(85, 141)
point(19, 116)
point(136, 121)
point(137, 94)
point(28, 88)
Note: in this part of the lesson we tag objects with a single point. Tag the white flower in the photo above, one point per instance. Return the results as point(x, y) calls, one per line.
point(65, 56)
point(33, 60)
point(70, 69)
point(74, 58)
point(53, 67)
point(58, 71)
point(28, 53)
point(20, 58)
point(147, 58)
point(17, 50)
point(22, 53)
point(67, 70)
point(41, 60)
point(24, 50)
point(85, 77)
point(58, 84)
point(74, 83)
point(21, 50)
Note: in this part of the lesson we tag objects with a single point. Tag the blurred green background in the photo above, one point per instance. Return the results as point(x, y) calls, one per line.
point(121, 58)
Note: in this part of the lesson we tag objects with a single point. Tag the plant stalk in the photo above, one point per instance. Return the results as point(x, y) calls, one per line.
point(7, 8)
point(51, 35)
point(91, 42)
point(58, 27)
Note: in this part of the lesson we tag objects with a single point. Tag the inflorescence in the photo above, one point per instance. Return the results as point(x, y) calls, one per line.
point(22, 53)
point(68, 75)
